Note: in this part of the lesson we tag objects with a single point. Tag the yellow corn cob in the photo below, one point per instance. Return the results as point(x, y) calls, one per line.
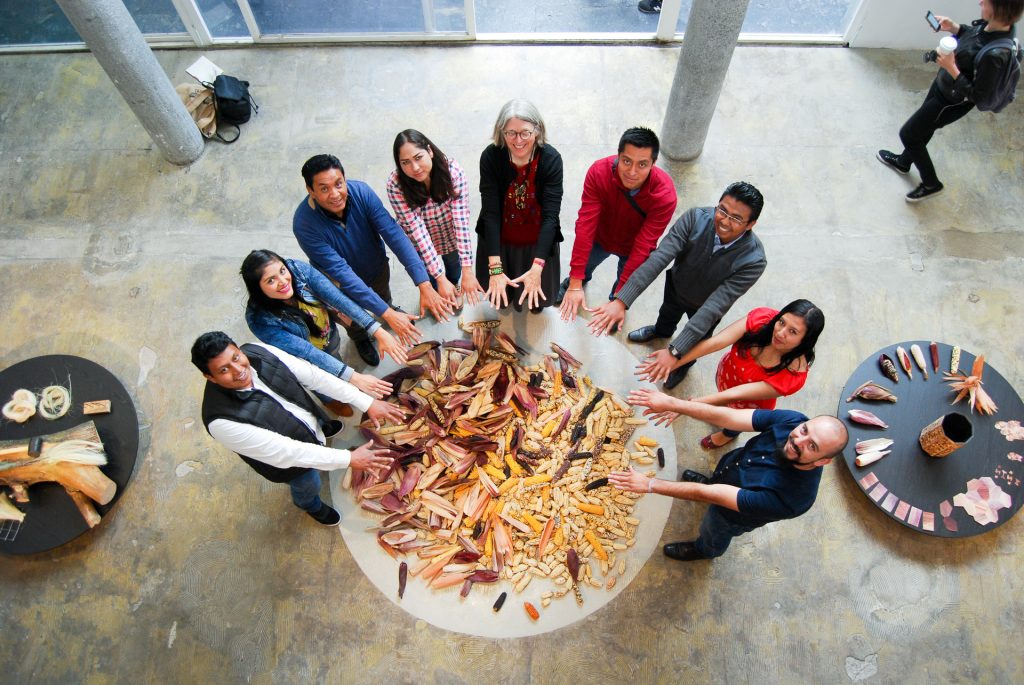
point(598, 549)
point(513, 465)
point(535, 480)
point(507, 485)
point(548, 427)
point(494, 473)
point(647, 442)
point(595, 509)
point(532, 522)
point(489, 543)
point(559, 537)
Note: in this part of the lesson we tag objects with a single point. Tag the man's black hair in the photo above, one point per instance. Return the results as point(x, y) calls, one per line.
point(748, 195)
point(641, 137)
point(207, 346)
point(317, 163)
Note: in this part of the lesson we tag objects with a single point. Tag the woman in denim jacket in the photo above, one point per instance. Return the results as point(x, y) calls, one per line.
point(291, 306)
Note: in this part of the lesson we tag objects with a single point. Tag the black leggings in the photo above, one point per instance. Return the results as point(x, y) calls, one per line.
point(933, 114)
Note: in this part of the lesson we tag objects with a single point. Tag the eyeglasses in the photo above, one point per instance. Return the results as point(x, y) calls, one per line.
point(521, 135)
point(738, 220)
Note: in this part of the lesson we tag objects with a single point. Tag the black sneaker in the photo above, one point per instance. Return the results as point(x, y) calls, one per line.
point(892, 160)
point(367, 352)
point(676, 376)
point(649, 6)
point(689, 476)
point(332, 428)
point(326, 515)
point(922, 192)
point(683, 551)
point(563, 288)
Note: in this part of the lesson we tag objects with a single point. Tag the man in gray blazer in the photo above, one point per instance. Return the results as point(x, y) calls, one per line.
point(717, 259)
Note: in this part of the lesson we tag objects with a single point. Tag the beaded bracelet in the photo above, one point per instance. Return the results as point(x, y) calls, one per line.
point(538, 261)
point(650, 485)
point(495, 270)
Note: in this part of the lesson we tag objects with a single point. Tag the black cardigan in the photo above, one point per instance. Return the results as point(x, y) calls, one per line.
point(496, 172)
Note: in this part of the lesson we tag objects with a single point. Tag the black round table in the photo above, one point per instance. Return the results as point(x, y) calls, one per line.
point(51, 517)
point(912, 487)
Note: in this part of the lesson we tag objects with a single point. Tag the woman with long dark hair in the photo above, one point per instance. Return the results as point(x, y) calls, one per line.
point(292, 307)
point(771, 353)
point(429, 195)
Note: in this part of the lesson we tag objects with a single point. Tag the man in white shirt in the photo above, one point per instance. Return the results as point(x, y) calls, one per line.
point(257, 404)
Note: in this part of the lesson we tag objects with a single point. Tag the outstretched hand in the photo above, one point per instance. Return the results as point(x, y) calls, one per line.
point(656, 366)
point(608, 318)
point(629, 480)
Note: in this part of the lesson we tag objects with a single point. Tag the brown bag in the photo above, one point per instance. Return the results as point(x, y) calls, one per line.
point(200, 105)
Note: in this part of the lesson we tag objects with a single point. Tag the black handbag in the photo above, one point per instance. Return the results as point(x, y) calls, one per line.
point(234, 103)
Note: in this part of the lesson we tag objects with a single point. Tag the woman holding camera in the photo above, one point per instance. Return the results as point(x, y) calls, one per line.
point(962, 81)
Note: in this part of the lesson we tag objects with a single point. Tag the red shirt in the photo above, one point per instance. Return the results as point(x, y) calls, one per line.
point(608, 217)
point(738, 368)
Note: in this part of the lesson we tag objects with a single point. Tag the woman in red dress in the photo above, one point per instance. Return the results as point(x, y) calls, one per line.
point(770, 356)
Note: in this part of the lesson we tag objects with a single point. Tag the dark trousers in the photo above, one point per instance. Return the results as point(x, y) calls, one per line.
point(933, 114)
point(452, 269)
point(716, 532)
point(671, 313)
point(380, 285)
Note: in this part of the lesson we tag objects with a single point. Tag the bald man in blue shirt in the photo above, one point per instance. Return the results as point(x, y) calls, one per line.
point(774, 476)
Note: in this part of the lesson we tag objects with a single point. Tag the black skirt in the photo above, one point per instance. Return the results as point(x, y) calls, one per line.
point(517, 260)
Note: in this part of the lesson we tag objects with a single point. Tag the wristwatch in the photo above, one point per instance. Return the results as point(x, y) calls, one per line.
point(674, 352)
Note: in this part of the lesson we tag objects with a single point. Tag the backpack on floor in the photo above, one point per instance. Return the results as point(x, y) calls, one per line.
point(1002, 95)
point(234, 103)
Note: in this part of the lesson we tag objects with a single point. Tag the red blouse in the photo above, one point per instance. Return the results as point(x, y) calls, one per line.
point(739, 368)
point(521, 221)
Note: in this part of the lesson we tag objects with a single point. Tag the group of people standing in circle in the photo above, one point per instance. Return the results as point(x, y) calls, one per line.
point(627, 203)
point(257, 398)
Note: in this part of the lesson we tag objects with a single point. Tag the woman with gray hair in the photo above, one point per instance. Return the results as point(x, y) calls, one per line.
point(521, 197)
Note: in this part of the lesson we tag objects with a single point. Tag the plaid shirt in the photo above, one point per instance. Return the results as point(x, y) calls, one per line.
point(436, 229)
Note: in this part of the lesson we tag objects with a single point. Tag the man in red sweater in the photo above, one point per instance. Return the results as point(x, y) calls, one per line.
point(627, 203)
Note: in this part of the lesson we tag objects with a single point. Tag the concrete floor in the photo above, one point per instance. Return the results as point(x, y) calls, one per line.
point(204, 572)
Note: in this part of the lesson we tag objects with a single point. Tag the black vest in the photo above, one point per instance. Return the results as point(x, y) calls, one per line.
point(257, 408)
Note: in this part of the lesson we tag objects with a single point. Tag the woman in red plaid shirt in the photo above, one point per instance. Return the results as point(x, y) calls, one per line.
point(428, 193)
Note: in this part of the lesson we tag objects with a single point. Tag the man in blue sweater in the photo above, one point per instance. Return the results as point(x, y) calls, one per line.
point(342, 227)
point(774, 476)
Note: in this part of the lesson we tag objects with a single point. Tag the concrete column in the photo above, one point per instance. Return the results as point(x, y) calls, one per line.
point(112, 35)
point(711, 33)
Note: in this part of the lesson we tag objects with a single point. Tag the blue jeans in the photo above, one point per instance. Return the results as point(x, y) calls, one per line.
point(597, 255)
point(306, 491)
point(716, 532)
point(452, 269)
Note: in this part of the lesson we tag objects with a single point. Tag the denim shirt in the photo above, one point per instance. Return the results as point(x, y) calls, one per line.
point(290, 333)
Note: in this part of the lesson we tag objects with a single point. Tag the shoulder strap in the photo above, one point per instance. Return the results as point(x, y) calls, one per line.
point(1005, 43)
point(632, 201)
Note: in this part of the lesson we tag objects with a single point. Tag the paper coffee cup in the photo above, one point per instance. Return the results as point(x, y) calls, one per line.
point(946, 45)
